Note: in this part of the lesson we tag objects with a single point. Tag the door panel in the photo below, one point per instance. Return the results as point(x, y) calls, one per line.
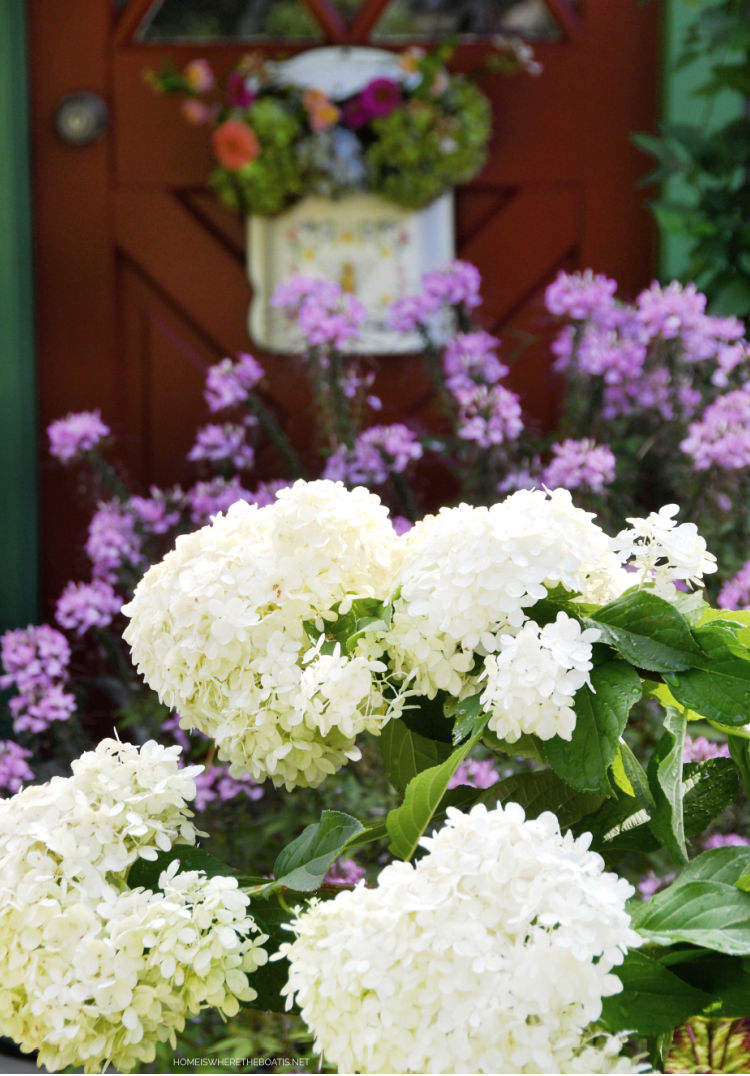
point(140, 274)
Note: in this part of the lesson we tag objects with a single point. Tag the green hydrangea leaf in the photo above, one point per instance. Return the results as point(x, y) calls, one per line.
point(601, 715)
point(302, 865)
point(653, 999)
point(649, 632)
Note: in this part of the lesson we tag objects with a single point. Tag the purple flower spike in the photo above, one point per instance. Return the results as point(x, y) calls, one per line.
point(75, 434)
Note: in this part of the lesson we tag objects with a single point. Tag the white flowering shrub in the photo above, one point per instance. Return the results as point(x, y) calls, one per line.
point(95, 972)
point(491, 954)
point(505, 942)
point(229, 629)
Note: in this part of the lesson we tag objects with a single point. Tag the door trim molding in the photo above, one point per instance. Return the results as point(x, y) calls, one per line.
point(18, 462)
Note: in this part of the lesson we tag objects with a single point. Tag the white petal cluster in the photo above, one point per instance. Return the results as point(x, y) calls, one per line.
point(664, 551)
point(218, 630)
point(532, 681)
point(469, 573)
point(92, 972)
point(491, 955)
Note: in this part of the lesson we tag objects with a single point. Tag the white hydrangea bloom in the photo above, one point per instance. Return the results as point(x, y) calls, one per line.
point(491, 954)
point(469, 573)
point(121, 803)
point(532, 681)
point(218, 630)
point(92, 972)
point(663, 550)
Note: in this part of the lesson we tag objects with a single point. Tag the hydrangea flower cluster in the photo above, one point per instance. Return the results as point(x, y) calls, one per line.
point(93, 972)
point(376, 454)
point(665, 551)
point(76, 434)
point(504, 936)
point(87, 605)
point(468, 574)
point(218, 629)
point(36, 661)
point(533, 679)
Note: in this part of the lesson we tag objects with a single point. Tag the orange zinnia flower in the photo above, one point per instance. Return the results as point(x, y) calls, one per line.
point(235, 144)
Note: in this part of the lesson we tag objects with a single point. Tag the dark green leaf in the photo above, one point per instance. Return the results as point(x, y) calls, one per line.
point(406, 753)
point(708, 788)
point(469, 718)
point(653, 1000)
point(725, 978)
point(269, 979)
point(539, 791)
point(703, 907)
point(719, 693)
point(407, 823)
point(601, 715)
point(648, 631)
point(665, 780)
point(145, 872)
point(302, 865)
point(739, 749)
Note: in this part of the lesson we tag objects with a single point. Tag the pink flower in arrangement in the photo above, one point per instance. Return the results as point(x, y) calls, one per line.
point(380, 97)
point(238, 91)
point(199, 76)
point(75, 434)
point(725, 840)
point(580, 465)
point(217, 443)
point(235, 144)
point(321, 111)
point(735, 594)
point(196, 112)
point(355, 115)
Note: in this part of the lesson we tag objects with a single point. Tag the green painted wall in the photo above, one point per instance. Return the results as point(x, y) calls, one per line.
point(680, 106)
point(18, 515)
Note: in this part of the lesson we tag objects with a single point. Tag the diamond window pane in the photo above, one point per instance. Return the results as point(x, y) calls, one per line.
point(171, 21)
point(431, 20)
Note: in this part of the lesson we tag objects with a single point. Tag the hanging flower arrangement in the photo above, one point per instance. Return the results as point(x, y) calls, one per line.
point(408, 137)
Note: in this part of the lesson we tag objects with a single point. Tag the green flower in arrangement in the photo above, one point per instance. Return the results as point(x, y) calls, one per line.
point(408, 137)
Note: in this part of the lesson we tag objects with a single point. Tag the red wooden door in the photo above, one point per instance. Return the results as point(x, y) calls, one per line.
point(140, 274)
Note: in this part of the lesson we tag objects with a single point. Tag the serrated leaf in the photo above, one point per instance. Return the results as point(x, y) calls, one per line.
point(703, 906)
point(601, 715)
point(720, 692)
point(540, 791)
point(406, 753)
point(302, 865)
point(470, 717)
point(145, 873)
point(653, 999)
point(665, 780)
point(708, 788)
point(407, 822)
point(648, 631)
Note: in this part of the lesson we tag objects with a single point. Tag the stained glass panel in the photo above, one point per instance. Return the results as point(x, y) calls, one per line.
point(431, 20)
point(228, 20)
